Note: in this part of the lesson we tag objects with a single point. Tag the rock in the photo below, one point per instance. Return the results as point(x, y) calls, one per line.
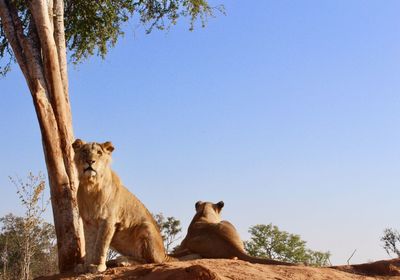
point(222, 269)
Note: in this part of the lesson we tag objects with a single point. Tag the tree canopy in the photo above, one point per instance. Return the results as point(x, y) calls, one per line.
point(391, 241)
point(27, 244)
point(170, 227)
point(92, 27)
point(43, 249)
point(268, 241)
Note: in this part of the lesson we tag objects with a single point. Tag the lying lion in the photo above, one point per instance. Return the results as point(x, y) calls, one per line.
point(112, 216)
point(209, 237)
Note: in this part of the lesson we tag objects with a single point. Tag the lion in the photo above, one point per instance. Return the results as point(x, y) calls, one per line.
point(210, 237)
point(112, 216)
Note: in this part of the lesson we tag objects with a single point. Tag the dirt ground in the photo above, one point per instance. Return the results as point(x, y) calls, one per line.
point(208, 269)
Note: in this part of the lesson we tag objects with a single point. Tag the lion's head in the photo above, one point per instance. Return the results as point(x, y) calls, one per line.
point(92, 158)
point(209, 211)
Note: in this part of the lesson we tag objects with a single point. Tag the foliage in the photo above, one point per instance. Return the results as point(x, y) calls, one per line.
point(92, 27)
point(12, 249)
point(390, 239)
point(27, 244)
point(30, 194)
point(170, 228)
point(267, 241)
point(317, 258)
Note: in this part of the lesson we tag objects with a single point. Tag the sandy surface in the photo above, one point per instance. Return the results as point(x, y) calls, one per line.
point(208, 269)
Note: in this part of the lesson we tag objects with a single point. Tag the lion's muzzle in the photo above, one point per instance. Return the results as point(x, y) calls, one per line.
point(89, 171)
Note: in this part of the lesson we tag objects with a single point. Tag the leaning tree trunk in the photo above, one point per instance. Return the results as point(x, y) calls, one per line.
point(41, 55)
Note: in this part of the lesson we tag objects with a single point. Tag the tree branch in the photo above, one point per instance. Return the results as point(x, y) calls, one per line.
point(50, 7)
point(70, 251)
point(39, 10)
point(31, 50)
point(37, 84)
point(11, 34)
point(59, 36)
point(348, 260)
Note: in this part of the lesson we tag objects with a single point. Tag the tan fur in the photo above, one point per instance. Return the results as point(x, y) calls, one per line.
point(112, 216)
point(210, 237)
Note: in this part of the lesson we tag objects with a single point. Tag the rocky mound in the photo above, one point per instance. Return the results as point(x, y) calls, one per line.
point(207, 269)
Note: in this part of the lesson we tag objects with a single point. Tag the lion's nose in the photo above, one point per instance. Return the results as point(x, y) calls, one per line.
point(91, 161)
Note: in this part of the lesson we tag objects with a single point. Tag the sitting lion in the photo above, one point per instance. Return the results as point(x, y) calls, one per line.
point(112, 216)
point(209, 237)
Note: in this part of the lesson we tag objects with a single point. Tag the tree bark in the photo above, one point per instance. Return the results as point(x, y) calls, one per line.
point(42, 59)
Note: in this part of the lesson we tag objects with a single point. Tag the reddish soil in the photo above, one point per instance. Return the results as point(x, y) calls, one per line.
point(208, 269)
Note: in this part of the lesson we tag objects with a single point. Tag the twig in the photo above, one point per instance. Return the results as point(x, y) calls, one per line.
point(348, 261)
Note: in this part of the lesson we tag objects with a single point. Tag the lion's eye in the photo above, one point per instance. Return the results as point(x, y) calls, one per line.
point(99, 153)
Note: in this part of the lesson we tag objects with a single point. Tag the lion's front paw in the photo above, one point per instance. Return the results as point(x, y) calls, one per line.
point(96, 268)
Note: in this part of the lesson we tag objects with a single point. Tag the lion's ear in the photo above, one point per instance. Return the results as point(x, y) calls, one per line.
point(198, 204)
point(108, 146)
point(78, 143)
point(220, 204)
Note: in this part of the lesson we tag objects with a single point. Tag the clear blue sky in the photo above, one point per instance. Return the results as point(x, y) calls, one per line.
point(289, 111)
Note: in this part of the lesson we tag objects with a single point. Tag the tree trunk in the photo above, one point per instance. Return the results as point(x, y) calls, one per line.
point(42, 59)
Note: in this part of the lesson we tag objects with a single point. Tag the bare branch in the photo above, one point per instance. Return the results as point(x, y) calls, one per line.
point(37, 84)
point(31, 52)
point(59, 37)
point(50, 6)
point(348, 260)
point(11, 34)
point(63, 173)
point(39, 10)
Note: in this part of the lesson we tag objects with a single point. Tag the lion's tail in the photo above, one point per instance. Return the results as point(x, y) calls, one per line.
point(243, 256)
point(169, 258)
